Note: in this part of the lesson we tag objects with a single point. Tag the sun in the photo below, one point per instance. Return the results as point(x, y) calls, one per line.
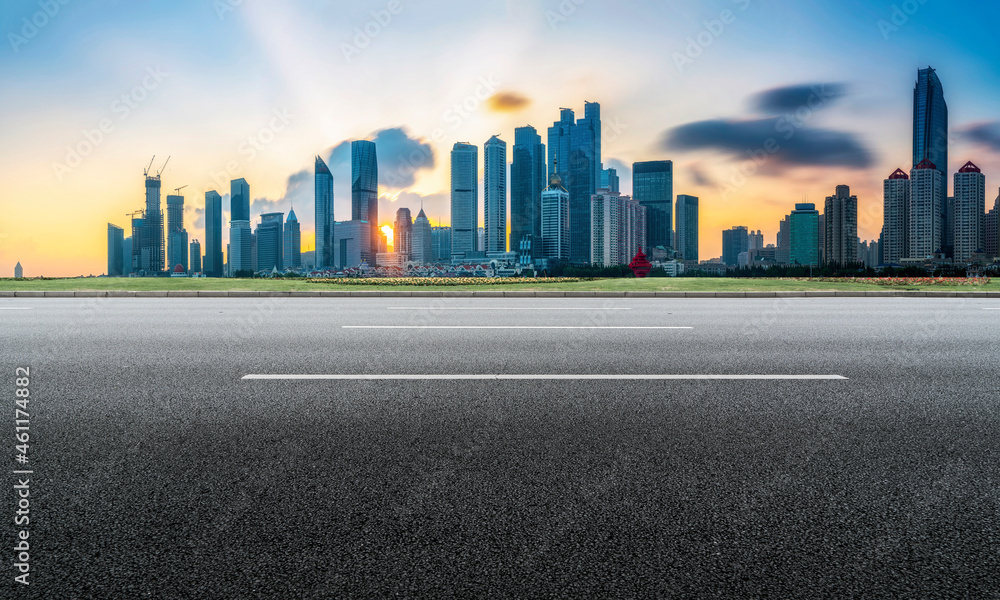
point(387, 230)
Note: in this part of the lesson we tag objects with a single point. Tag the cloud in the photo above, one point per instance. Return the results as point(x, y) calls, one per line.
point(507, 102)
point(699, 176)
point(986, 133)
point(400, 158)
point(777, 137)
point(790, 99)
point(437, 207)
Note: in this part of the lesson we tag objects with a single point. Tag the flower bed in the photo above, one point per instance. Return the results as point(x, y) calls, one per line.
point(447, 281)
point(903, 281)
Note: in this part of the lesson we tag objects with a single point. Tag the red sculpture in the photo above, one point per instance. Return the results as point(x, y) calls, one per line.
point(640, 266)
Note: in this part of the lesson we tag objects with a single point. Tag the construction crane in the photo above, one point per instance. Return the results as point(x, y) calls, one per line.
point(146, 170)
point(163, 167)
point(178, 190)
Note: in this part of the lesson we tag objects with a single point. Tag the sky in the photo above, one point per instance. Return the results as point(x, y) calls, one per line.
point(760, 104)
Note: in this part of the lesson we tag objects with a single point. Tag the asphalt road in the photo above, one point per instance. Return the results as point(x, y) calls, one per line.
point(159, 472)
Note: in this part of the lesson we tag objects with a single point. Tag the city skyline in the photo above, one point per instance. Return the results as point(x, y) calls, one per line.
point(859, 132)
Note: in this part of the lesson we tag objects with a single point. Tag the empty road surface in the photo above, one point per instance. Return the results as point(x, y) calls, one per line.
point(505, 448)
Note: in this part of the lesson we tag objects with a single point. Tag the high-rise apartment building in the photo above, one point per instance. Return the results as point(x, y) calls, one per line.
point(895, 218)
point(464, 198)
point(323, 179)
point(925, 215)
point(840, 221)
point(574, 148)
point(653, 187)
point(687, 227)
point(618, 228)
point(495, 195)
point(991, 231)
point(527, 180)
point(364, 193)
point(969, 212)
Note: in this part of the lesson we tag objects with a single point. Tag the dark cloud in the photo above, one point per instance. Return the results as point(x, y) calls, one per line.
point(780, 140)
point(985, 133)
point(699, 176)
point(400, 158)
point(789, 99)
point(507, 102)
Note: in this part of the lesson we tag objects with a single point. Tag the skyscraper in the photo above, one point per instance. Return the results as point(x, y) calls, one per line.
point(556, 220)
point(609, 180)
point(422, 243)
point(575, 150)
point(653, 187)
point(239, 200)
point(464, 198)
point(195, 258)
point(116, 239)
point(364, 192)
point(991, 231)
point(441, 243)
point(291, 251)
point(804, 235)
point(687, 226)
point(930, 121)
point(402, 230)
point(213, 234)
point(352, 243)
point(970, 207)
point(177, 238)
point(18, 271)
point(151, 254)
point(925, 220)
point(270, 242)
point(240, 240)
point(324, 257)
point(755, 240)
point(495, 195)
point(841, 224)
point(527, 180)
point(895, 218)
point(735, 241)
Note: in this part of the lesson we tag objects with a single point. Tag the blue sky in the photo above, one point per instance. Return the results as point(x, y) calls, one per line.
point(208, 82)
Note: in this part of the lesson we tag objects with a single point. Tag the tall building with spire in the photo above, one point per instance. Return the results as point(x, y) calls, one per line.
point(364, 193)
point(895, 218)
point(841, 227)
point(324, 255)
point(422, 242)
point(556, 220)
point(575, 149)
point(464, 198)
point(291, 250)
point(969, 212)
point(495, 195)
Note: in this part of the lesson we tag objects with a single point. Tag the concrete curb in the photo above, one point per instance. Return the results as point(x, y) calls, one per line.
point(491, 294)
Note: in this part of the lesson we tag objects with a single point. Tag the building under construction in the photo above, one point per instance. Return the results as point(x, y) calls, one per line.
point(147, 229)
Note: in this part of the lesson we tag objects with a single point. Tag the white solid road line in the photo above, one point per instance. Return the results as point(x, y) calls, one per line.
point(991, 309)
point(494, 377)
point(15, 308)
point(493, 327)
point(442, 308)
